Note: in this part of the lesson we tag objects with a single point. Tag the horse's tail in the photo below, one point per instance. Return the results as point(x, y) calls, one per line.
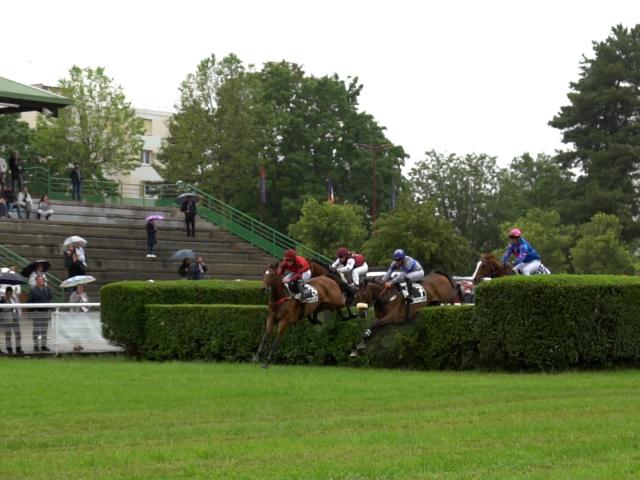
point(444, 274)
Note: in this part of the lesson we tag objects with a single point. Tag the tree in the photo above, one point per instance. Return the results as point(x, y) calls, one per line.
point(99, 130)
point(15, 135)
point(422, 233)
point(325, 227)
point(462, 189)
point(602, 122)
point(599, 248)
point(548, 236)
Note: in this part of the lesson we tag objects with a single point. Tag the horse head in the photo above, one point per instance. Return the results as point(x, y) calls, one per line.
point(271, 279)
point(368, 293)
point(487, 267)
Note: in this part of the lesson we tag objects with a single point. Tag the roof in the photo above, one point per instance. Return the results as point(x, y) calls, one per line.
point(17, 97)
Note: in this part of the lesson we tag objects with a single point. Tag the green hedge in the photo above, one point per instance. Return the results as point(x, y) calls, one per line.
point(122, 304)
point(558, 322)
point(439, 338)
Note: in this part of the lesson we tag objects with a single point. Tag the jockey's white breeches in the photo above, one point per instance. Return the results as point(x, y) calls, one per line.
point(306, 276)
point(527, 268)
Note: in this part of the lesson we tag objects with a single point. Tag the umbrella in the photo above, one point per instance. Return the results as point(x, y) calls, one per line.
point(77, 280)
point(26, 271)
point(75, 239)
point(182, 254)
point(11, 278)
point(180, 199)
point(154, 217)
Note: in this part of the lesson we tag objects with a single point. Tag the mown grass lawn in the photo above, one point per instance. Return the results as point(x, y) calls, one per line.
point(115, 419)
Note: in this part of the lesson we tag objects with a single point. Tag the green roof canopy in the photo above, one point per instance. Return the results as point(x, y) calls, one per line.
point(17, 97)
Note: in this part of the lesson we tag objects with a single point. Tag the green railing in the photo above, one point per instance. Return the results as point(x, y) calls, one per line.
point(164, 195)
point(8, 257)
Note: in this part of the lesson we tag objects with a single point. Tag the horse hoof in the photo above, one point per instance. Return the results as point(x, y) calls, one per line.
point(354, 354)
point(361, 346)
point(264, 365)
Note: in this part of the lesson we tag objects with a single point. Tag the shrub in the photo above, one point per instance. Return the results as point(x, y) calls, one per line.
point(557, 322)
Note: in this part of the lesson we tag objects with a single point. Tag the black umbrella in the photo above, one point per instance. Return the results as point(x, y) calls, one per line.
point(26, 271)
point(180, 199)
point(10, 278)
point(182, 254)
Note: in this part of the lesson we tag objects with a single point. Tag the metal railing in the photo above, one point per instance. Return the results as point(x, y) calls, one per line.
point(164, 195)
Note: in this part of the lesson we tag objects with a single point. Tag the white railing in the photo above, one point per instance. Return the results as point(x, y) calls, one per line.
point(59, 327)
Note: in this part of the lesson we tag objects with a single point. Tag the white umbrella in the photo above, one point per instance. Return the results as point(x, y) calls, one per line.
point(77, 280)
point(75, 239)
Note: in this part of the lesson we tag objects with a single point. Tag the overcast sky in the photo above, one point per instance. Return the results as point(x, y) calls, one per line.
point(454, 76)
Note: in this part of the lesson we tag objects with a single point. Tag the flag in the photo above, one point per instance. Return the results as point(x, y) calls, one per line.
point(263, 185)
point(330, 196)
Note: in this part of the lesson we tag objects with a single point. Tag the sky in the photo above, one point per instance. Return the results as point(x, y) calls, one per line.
point(454, 76)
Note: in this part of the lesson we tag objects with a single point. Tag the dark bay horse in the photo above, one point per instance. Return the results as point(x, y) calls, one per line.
point(390, 307)
point(284, 310)
point(490, 267)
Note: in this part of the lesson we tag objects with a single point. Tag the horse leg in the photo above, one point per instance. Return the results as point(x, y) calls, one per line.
point(372, 330)
point(267, 331)
point(277, 343)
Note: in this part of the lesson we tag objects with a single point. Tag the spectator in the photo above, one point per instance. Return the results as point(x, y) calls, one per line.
point(16, 288)
point(25, 201)
point(11, 319)
point(185, 268)
point(76, 180)
point(4, 213)
point(10, 200)
point(40, 294)
point(79, 296)
point(189, 208)
point(76, 267)
point(198, 269)
point(68, 257)
point(37, 273)
point(15, 166)
point(82, 256)
point(3, 172)
point(44, 208)
point(151, 238)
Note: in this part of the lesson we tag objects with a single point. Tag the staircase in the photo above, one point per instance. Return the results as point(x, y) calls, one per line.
point(116, 248)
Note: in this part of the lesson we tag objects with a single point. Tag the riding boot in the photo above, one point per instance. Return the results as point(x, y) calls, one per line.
point(301, 290)
point(409, 297)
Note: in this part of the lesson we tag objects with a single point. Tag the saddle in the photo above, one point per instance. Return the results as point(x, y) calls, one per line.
point(417, 293)
point(309, 294)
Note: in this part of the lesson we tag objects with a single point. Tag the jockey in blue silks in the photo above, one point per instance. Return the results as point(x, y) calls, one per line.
point(403, 268)
point(527, 259)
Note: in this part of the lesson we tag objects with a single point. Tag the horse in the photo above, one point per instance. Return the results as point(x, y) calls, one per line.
point(490, 267)
point(285, 310)
point(390, 306)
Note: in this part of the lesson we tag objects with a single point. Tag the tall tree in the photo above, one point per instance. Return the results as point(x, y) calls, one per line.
point(602, 122)
point(423, 234)
point(462, 189)
point(15, 135)
point(99, 130)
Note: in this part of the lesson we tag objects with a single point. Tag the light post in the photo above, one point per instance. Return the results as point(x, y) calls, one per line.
point(376, 150)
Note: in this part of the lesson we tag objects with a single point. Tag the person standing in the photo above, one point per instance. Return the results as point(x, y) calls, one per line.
point(12, 321)
point(79, 296)
point(189, 209)
point(198, 269)
point(38, 272)
point(40, 294)
point(152, 230)
point(25, 201)
point(15, 167)
point(76, 180)
point(185, 268)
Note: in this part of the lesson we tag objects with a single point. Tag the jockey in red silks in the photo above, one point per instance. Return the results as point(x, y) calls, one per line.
point(347, 261)
point(295, 271)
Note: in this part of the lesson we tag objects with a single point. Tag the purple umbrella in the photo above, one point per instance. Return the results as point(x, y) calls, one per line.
point(154, 217)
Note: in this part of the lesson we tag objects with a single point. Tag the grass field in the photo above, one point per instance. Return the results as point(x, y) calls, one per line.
point(114, 419)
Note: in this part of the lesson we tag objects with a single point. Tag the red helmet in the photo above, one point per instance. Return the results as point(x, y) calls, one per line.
point(342, 252)
point(290, 254)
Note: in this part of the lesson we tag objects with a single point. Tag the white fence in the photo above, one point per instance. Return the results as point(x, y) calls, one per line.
point(30, 328)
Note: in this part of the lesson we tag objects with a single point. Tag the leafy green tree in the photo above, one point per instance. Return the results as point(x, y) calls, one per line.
point(602, 122)
point(99, 130)
point(548, 236)
point(15, 135)
point(599, 248)
point(463, 189)
point(422, 233)
point(325, 227)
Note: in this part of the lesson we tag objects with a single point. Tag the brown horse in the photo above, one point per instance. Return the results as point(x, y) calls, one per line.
point(390, 307)
point(319, 269)
point(285, 310)
point(490, 267)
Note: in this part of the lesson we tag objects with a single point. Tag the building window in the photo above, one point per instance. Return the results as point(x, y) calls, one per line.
point(147, 126)
point(146, 157)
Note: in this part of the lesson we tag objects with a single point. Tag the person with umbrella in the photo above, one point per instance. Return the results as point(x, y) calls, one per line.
point(9, 278)
point(36, 269)
point(189, 209)
point(11, 321)
point(152, 230)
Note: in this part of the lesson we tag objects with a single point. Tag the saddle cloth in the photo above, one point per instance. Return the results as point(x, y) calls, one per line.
point(310, 293)
point(417, 294)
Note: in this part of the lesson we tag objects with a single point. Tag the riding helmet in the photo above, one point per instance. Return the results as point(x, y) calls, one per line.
point(515, 233)
point(399, 254)
point(291, 253)
point(342, 252)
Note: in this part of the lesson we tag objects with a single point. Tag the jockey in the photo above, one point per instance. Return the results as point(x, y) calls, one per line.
point(403, 268)
point(527, 259)
point(347, 261)
point(294, 271)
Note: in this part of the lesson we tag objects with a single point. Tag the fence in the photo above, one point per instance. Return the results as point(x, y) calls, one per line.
point(56, 328)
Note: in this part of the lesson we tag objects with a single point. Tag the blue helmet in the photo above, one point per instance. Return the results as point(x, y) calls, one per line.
point(399, 254)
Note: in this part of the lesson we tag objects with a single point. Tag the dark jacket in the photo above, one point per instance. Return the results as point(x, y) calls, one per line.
point(184, 269)
point(197, 271)
point(40, 295)
point(76, 268)
point(75, 175)
point(15, 166)
point(189, 209)
point(151, 233)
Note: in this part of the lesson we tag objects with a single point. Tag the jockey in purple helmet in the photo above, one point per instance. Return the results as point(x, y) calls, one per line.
point(527, 259)
point(403, 268)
